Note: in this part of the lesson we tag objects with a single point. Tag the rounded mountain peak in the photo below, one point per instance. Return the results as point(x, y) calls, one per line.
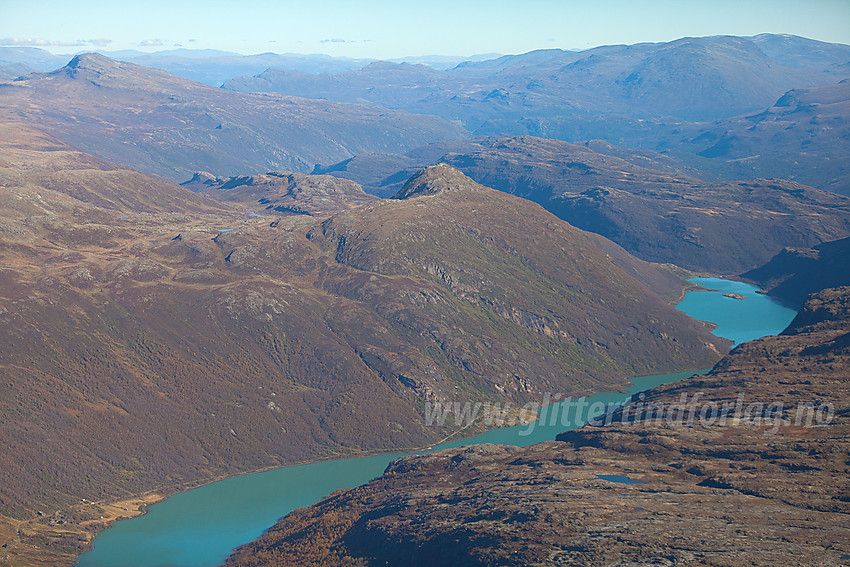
point(435, 179)
point(91, 60)
point(104, 71)
point(202, 177)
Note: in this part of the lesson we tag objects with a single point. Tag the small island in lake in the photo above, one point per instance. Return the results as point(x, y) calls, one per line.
point(734, 295)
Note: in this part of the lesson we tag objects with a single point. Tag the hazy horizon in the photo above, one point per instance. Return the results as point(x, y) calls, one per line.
point(378, 29)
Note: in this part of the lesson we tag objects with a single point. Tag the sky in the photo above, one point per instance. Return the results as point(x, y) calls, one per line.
point(388, 29)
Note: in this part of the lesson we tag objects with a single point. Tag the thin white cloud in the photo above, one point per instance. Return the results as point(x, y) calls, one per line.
point(41, 42)
point(340, 40)
point(150, 43)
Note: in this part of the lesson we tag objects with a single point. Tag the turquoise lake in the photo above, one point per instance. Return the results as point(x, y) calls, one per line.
point(200, 527)
point(739, 320)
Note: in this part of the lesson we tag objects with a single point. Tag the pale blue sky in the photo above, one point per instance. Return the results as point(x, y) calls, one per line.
point(386, 29)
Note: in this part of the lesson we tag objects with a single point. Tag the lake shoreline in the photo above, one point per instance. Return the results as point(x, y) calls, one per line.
point(343, 460)
point(166, 492)
point(630, 387)
point(157, 495)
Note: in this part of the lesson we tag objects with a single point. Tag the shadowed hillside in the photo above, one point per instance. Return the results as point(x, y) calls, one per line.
point(794, 273)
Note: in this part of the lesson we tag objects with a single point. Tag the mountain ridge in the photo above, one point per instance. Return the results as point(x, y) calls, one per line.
point(655, 207)
point(159, 123)
point(633, 78)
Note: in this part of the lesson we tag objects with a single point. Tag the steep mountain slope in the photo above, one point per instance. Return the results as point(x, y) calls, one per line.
point(391, 85)
point(153, 349)
point(507, 256)
point(159, 123)
point(643, 201)
point(283, 192)
point(666, 481)
point(794, 273)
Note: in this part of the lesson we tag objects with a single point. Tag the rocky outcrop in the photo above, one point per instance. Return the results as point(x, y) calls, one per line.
point(794, 273)
point(283, 192)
